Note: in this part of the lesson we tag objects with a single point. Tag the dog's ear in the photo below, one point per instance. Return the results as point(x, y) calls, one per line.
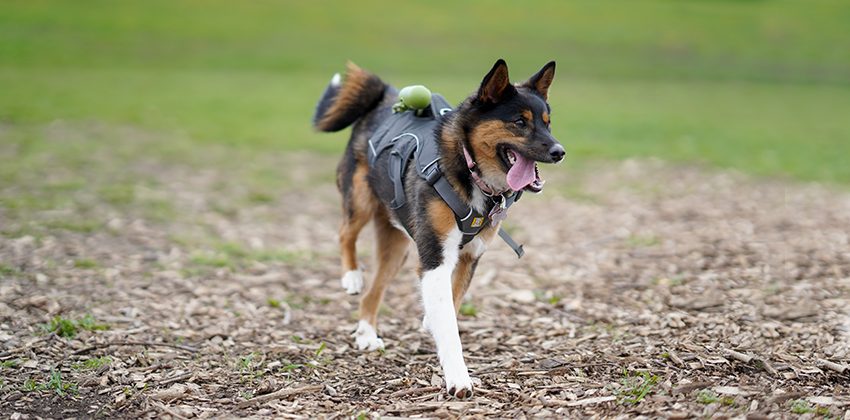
point(541, 80)
point(496, 85)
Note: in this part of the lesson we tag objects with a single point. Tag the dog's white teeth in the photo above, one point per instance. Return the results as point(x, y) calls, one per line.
point(511, 157)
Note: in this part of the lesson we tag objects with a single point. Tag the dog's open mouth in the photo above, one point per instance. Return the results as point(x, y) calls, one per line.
point(522, 171)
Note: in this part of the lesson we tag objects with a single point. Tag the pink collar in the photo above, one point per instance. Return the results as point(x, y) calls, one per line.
point(486, 189)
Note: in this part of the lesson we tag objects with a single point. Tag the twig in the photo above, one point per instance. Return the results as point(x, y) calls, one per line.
point(741, 357)
point(176, 379)
point(281, 393)
point(134, 343)
point(831, 365)
point(168, 410)
point(414, 391)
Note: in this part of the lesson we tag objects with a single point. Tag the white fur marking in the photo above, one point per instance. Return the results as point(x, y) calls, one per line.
point(475, 247)
point(352, 282)
point(440, 317)
point(366, 337)
point(336, 80)
point(478, 200)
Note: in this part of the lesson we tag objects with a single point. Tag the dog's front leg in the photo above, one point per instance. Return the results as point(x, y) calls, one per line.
point(440, 318)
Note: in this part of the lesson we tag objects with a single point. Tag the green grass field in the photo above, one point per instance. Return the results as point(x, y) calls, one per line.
point(760, 86)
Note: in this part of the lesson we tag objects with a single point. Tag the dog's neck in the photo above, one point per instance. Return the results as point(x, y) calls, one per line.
point(452, 140)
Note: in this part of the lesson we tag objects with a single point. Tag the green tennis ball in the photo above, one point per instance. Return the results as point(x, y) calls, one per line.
point(415, 97)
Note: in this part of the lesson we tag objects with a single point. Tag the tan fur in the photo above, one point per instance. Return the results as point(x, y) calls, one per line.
point(461, 278)
point(391, 250)
point(355, 80)
point(363, 205)
point(484, 139)
point(544, 82)
point(529, 117)
point(442, 218)
point(545, 117)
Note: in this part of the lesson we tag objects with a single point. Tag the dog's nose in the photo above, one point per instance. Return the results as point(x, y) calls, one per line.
point(557, 152)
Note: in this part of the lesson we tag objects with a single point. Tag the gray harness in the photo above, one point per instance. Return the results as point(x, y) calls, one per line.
point(409, 137)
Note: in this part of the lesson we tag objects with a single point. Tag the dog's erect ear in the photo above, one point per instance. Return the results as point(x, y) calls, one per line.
point(541, 81)
point(496, 84)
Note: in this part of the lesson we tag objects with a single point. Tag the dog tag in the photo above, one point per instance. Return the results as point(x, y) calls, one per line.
point(498, 213)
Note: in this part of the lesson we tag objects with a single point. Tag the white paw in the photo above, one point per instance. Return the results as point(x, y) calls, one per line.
point(366, 337)
point(458, 383)
point(352, 282)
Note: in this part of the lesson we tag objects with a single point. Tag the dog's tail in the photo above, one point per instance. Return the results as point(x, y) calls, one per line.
point(344, 101)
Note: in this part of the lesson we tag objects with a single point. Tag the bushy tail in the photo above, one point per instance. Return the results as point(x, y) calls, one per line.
point(344, 101)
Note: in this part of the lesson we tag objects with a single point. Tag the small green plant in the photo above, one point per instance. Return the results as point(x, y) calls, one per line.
point(93, 363)
point(10, 364)
point(246, 362)
point(637, 241)
point(54, 383)
point(7, 270)
point(274, 303)
point(88, 323)
point(30, 385)
point(362, 415)
point(468, 309)
point(63, 327)
point(290, 367)
point(69, 328)
point(636, 386)
point(801, 407)
point(321, 348)
point(85, 263)
point(707, 396)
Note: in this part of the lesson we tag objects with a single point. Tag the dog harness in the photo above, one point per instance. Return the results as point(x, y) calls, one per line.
point(411, 136)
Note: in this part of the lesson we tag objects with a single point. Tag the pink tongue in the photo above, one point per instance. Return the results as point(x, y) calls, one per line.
point(522, 173)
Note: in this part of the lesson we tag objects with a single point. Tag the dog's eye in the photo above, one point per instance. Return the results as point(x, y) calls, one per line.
point(520, 122)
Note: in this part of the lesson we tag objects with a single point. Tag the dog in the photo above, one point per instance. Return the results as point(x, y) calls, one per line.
point(488, 148)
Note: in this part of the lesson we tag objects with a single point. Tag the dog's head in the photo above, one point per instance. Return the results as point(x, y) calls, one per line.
point(508, 129)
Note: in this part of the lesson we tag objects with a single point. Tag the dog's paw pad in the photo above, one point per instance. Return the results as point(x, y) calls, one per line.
point(367, 338)
point(352, 282)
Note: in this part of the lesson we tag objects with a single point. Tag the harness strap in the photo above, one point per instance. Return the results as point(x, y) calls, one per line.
point(511, 243)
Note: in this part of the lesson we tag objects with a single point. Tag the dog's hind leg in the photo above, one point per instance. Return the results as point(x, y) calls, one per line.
point(391, 251)
point(358, 207)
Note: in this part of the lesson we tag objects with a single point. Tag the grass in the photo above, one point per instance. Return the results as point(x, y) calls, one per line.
point(803, 407)
point(53, 383)
point(93, 363)
point(7, 270)
point(762, 87)
point(85, 263)
point(68, 328)
point(635, 386)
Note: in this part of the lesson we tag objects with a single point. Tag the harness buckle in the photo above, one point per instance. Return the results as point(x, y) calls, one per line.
point(433, 174)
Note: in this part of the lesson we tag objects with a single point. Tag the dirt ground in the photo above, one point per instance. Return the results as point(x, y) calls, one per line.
point(647, 289)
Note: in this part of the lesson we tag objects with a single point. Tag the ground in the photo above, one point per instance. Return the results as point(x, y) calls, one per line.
point(153, 287)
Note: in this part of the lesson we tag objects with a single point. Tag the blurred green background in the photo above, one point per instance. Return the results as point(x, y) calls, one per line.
point(760, 86)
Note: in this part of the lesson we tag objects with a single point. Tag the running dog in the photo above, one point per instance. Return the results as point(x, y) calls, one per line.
point(488, 149)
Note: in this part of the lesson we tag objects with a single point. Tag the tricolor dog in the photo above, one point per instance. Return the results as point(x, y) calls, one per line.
point(441, 178)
